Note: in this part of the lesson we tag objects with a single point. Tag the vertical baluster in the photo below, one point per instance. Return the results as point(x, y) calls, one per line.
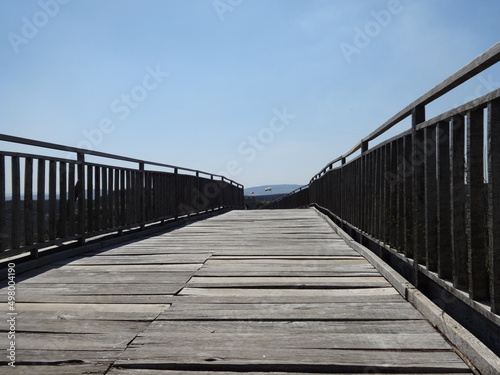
point(111, 198)
point(28, 203)
point(63, 218)
point(494, 202)
point(444, 264)
point(123, 198)
point(476, 207)
point(81, 196)
point(104, 199)
point(459, 241)
point(71, 199)
point(408, 173)
point(52, 200)
point(91, 194)
point(430, 198)
point(40, 202)
point(16, 205)
point(97, 198)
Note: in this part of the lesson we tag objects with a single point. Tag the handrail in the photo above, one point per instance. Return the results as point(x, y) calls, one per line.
point(480, 63)
point(55, 146)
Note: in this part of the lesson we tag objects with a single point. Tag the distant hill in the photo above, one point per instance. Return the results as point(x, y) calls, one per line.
point(275, 189)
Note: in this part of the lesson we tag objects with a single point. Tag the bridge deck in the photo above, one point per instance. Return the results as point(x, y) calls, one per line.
point(257, 291)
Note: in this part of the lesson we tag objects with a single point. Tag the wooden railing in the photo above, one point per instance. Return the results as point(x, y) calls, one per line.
point(431, 193)
point(50, 200)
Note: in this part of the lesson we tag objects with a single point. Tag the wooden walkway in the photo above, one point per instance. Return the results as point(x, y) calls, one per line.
point(248, 291)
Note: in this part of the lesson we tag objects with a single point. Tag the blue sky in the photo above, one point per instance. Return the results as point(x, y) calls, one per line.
point(263, 91)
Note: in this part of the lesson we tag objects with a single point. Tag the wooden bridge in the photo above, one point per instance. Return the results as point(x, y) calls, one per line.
point(119, 266)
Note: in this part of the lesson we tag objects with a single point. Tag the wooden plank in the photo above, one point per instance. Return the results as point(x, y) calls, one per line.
point(458, 238)
point(317, 312)
point(275, 358)
point(103, 258)
point(290, 282)
point(476, 208)
point(67, 368)
point(494, 202)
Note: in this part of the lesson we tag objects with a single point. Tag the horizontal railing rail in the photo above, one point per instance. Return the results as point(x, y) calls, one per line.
point(48, 200)
point(431, 192)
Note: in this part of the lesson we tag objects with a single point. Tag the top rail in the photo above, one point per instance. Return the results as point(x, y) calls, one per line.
point(476, 66)
point(55, 146)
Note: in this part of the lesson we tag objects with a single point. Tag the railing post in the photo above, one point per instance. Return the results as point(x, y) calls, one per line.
point(81, 196)
point(494, 202)
point(364, 146)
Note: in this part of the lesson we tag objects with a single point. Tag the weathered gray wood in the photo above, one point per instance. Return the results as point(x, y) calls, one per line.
point(494, 202)
point(444, 263)
point(67, 368)
point(275, 358)
point(299, 308)
point(458, 238)
point(476, 208)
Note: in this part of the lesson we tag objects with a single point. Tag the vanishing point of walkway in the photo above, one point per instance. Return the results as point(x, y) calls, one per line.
point(247, 291)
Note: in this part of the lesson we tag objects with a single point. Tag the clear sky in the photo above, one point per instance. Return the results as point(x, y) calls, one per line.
point(264, 91)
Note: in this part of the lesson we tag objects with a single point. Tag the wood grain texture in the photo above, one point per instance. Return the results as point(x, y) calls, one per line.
point(247, 291)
